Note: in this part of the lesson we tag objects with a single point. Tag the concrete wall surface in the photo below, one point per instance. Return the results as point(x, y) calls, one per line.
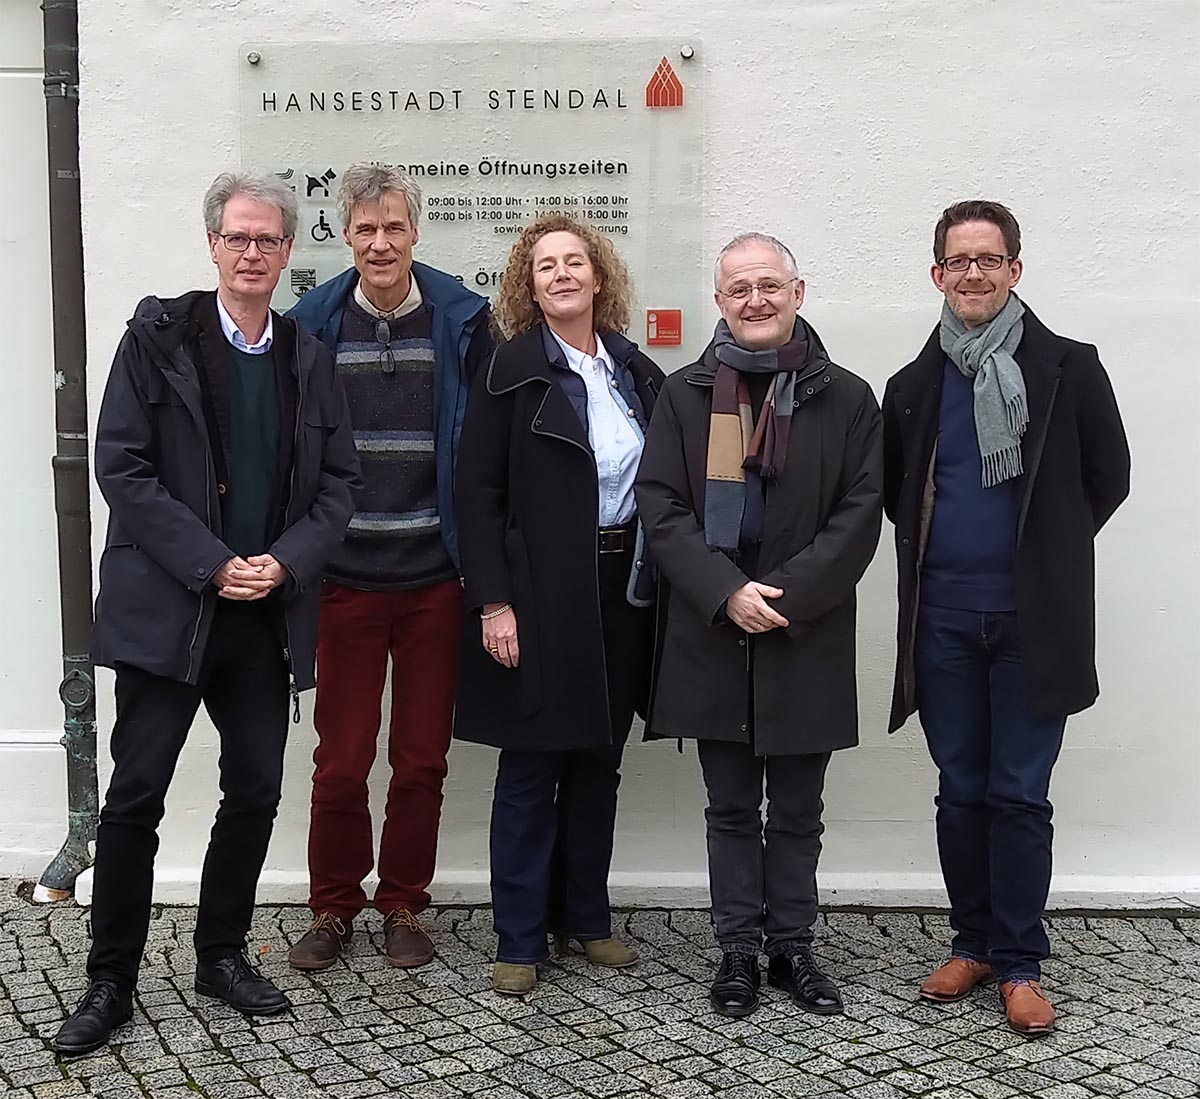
point(844, 127)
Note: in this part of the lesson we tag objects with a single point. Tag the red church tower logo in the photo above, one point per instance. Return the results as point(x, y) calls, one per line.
point(664, 89)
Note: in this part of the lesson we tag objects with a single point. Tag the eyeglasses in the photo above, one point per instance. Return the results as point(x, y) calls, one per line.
point(767, 289)
point(383, 333)
point(985, 262)
point(239, 242)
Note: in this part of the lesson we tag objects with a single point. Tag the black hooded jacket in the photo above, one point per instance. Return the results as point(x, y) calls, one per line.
point(160, 464)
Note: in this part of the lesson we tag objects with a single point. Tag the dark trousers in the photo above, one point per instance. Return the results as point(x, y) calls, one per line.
point(994, 760)
point(420, 630)
point(244, 687)
point(763, 881)
point(553, 813)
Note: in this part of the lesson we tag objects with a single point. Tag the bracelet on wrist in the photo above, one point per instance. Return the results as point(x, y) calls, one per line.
point(496, 613)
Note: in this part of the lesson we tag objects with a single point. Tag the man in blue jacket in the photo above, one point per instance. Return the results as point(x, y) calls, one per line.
point(224, 452)
point(407, 339)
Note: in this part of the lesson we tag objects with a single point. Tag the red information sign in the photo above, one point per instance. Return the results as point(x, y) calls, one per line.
point(664, 327)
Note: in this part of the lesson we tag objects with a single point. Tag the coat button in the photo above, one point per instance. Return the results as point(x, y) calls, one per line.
point(741, 641)
point(537, 423)
point(743, 728)
point(631, 412)
point(221, 490)
point(809, 391)
point(795, 404)
point(638, 564)
point(825, 379)
point(904, 541)
point(908, 412)
point(199, 572)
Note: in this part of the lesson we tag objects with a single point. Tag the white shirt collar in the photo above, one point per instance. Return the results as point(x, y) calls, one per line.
point(403, 309)
point(577, 359)
point(235, 336)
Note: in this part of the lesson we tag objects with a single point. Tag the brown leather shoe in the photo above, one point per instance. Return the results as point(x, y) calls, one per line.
point(954, 980)
point(405, 943)
point(1028, 1010)
point(322, 943)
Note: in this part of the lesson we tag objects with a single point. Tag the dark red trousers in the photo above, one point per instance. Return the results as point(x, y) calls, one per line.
point(420, 630)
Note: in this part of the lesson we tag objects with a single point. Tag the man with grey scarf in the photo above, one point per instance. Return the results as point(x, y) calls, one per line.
point(1004, 456)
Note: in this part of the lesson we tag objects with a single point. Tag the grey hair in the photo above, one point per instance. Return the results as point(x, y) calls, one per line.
point(265, 188)
point(369, 183)
point(755, 238)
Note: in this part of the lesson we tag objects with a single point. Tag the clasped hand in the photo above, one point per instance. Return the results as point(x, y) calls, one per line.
point(249, 578)
point(748, 608)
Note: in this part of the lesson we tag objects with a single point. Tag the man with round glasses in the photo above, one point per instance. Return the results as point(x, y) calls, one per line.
point(407, 338)
point(224, 452)
point(760, 490)
point(1005, 455)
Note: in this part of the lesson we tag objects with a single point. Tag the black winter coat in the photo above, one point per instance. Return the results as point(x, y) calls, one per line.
point(157, 465)
point(1076, 462)
point(820, 532)
point(527, 499)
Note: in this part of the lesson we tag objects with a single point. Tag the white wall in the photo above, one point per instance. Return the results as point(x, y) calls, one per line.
point(844, 128)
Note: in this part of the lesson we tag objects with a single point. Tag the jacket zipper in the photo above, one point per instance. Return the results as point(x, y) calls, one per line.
point(293, 690)
point(203, 592)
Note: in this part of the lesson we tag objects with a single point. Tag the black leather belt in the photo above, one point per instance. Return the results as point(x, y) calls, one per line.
point(617, 539)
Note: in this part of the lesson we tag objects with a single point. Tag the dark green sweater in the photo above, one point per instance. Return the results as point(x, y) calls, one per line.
point(253, 451)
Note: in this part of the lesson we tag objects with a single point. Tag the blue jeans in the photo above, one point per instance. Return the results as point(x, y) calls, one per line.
point(994, 760)
point(553, 815)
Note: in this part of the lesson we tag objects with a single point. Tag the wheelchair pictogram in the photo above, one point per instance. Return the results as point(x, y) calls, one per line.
point(322, 231)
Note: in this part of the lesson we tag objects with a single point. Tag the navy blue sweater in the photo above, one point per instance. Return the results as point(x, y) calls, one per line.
point(969, 560)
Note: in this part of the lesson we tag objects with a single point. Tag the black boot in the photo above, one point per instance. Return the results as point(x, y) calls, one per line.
point(797, 974)
point(233, 980)
point(735, 989)
point(104, 1007)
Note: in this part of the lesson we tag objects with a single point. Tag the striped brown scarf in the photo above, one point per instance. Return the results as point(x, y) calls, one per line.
point(742, 454)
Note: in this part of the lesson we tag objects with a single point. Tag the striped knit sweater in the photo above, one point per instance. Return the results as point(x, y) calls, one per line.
point(394, 541)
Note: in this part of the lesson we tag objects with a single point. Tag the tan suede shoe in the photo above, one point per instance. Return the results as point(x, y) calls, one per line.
point(610, 953)
point(1028, 1010)
point(513, 980)
point(954, 980)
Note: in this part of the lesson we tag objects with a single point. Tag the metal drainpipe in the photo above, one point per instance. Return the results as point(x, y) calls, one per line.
point(60, 25)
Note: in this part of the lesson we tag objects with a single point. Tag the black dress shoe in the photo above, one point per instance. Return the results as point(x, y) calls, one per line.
point(104, 1007)
point(735, 988)
point(797, 974)
point(233, 980)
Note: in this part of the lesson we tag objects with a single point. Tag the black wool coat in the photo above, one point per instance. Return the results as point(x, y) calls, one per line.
point(527, 500)
point(1076, 473)
point(821, 528)
point(161, 466)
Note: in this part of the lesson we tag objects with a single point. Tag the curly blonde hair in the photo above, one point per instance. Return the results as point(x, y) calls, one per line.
point(515, 307)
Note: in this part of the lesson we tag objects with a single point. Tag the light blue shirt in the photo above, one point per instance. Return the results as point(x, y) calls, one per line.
point(234, 334)
point(612, 430)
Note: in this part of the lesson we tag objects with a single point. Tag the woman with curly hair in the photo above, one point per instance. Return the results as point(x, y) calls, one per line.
point(558, 642)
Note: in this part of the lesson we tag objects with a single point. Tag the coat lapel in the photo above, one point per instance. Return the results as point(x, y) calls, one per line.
point(1040, 358)
point(556, 418)
point(920, 397)
point(523, 361)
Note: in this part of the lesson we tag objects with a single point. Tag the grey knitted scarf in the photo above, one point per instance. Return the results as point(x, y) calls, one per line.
point(985, 355)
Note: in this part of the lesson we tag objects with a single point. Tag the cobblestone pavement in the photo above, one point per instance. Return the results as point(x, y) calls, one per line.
point(1126, 990)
